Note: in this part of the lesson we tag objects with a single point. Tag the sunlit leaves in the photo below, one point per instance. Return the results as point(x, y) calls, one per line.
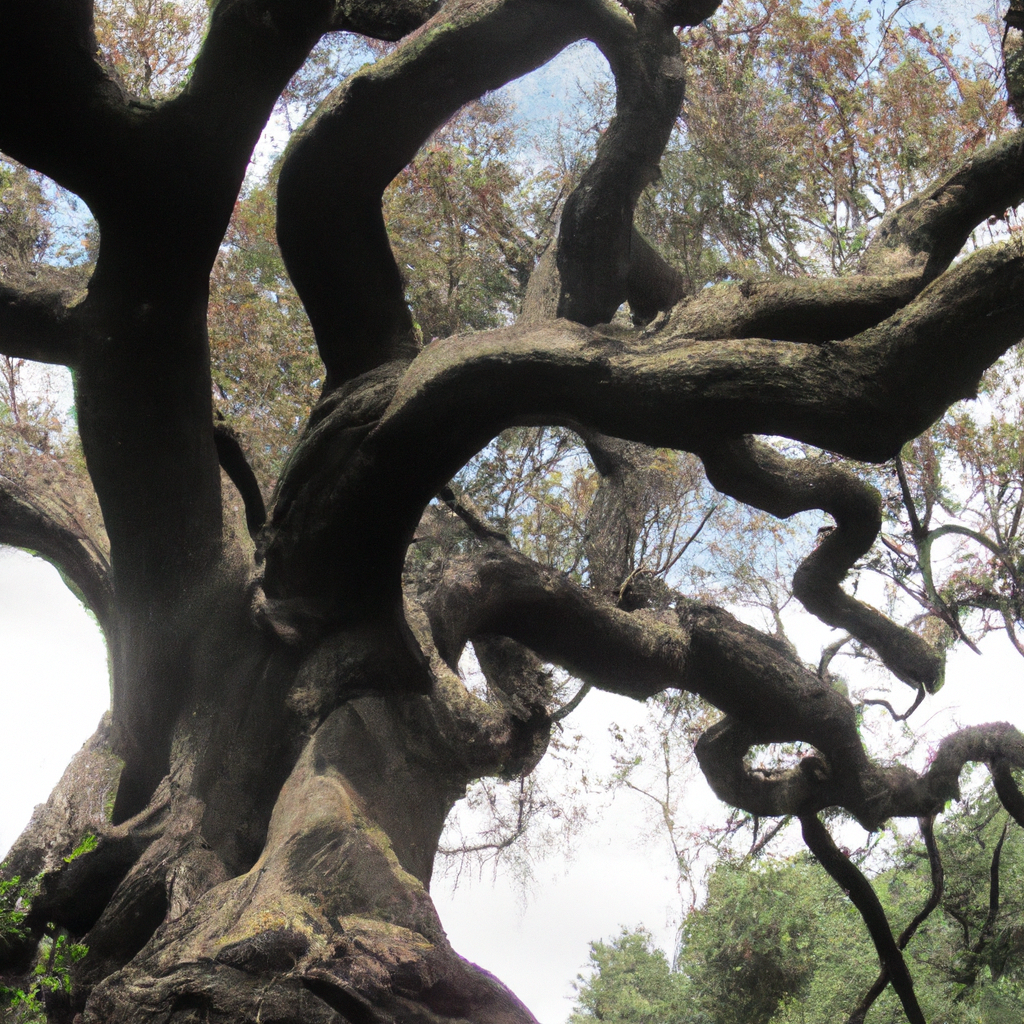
point(455, 228)
point(803, 125)
point(150, 43)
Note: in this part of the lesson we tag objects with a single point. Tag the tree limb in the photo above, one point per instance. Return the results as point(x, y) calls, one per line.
point(329, 220)
point(862, 398)
point(926, 824)
point(1006, 789)
point(597, 248)
point(38, 325)
point(926, 233)
point(864, 898)
point(233, 461)
point(913, 246)
point(768, 694)
point(803, 309)
point(24, 524)
point(754, 473)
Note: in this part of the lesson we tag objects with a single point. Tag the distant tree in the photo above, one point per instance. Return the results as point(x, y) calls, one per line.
point(630, 981)
point(776, 942)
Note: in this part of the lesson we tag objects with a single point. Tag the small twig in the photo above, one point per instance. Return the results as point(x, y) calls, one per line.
point(876, 701)
point(757, 846)
point(567, 709)
point(693, 536)
point(917, 531)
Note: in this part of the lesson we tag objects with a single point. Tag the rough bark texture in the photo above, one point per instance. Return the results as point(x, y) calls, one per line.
point(287, 734)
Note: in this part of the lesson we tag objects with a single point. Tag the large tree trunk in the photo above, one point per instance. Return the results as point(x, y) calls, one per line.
point(281, 869)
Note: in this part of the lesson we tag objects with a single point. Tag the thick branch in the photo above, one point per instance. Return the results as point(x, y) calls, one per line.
point(330, 225)
point(55, 91)
point(617, 510)
point(926, 233)
point(1007, 791)
point(38, 325)
point(802, 309)
point(595, 237)
point(913, 245)
point(769, 696)
point(382, 21)
point(873, 797)
point(754, 473)
point(24, 524)
point(862, 398)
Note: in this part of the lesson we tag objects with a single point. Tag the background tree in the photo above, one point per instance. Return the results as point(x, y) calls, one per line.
point(288, 730)
point(776, 941)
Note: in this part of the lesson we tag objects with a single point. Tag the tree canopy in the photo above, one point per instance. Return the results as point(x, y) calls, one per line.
point(399, 393)
point(776, 941)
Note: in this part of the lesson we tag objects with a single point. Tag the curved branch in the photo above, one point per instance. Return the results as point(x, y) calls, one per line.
point(233, 461)
point(329, 220)
point(594, 252)
point(754, 473)
point(804, 309)
point(926, 233)
point(24, 524)
point(768, 694)
point(1006, 789)
point(388, 21)
point(913, 245)
point(871, 794)
point(54, 118)
point(616, 513)
point(863, 896)
point(862, 398)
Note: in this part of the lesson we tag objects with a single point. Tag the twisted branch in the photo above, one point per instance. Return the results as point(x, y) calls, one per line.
point(754, 473)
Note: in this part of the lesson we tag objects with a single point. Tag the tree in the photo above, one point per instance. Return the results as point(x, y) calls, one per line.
point(776, 941)
point(631, 981)
point(288, 729)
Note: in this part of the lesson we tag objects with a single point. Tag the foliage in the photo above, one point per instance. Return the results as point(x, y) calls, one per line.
point(630, 981)
point(51, 972)
point(455, 226)
point(266, 373)
point(804, 124)
point(776, 942)
point(150, 43)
